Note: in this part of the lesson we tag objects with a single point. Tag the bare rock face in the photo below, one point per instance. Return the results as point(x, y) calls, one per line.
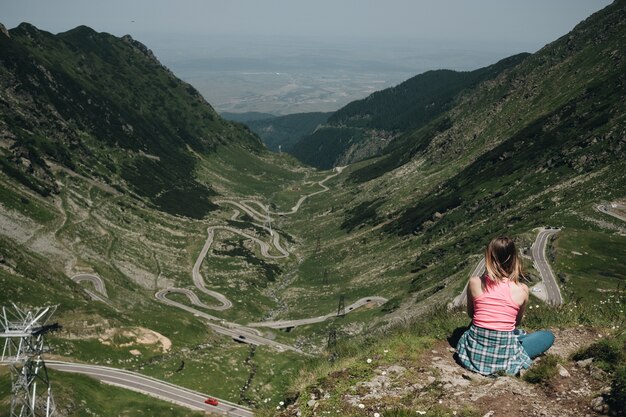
point(564, 373)
point(598, 405)
point(140, 47)
point(4, 31)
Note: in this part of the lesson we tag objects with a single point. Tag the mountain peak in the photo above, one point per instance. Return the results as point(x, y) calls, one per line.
point(82, 29)
point(27, 26)
point(26, 29)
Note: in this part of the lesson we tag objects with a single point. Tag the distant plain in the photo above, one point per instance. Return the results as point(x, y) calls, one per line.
point(283, 75)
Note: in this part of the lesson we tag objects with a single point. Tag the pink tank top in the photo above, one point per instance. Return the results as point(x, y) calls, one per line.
point(494, 309)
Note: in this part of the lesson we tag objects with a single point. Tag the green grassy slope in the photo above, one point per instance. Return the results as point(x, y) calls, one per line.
point(365, 127)
point(539, 144)
point(111, 167)
point(105, 107)
point(80, 396)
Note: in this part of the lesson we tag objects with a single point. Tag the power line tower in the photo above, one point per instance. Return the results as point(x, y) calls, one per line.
point(325, 276)
point(341, 308)
point(332, 338)
point(23, 332)
point(332, 344)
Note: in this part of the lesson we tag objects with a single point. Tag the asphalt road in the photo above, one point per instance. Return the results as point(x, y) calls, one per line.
point(238, 332)
point(153, 387)
point(100, 293)
point(284, 324)
point(262, 216)
point(610, 210)
point(97, 282)
point(538, 249)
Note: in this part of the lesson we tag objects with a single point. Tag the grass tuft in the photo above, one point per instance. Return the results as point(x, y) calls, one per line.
point(543, 370)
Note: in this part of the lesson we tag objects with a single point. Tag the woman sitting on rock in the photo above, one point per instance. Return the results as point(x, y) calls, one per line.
point(496, 303)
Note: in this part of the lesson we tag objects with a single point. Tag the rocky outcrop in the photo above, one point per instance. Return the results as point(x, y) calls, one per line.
point(140, 47)
point(4, 31)
point(436, 382)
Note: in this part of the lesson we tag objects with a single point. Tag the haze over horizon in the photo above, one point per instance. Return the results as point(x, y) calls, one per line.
point(286, 57)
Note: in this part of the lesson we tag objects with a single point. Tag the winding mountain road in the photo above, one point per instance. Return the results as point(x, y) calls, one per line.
point(182, 396)
point(101, 291)
point(285, 324)
point(97, 282)
point(153, 387)
point(538, 250)
point(238, 332)
point(610, 210)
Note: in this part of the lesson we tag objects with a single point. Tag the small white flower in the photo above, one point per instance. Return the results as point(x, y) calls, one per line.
point(440, 401)
point(386, 350)
point(536, 305)
point(281, 403)
point(361, 406)
point(369, 360)
point(384, 373)
point(421, 413)
point(278, 407)
point(376, 414)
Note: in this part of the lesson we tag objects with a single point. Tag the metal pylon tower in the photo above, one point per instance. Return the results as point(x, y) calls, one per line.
point(23, 332)
point(341, 308)
point(325, 276)
point(332, 339)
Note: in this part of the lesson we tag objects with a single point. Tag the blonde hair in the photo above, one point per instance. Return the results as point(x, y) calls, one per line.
point(502, 261)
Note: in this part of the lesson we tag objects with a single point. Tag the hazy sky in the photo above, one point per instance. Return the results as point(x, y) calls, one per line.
point(528, 23)
point(288, 56)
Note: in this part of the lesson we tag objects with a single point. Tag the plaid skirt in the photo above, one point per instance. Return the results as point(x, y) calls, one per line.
point(489, 351)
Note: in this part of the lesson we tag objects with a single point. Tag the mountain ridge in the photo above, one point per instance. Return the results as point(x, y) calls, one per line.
point(364, 128)
point(85, 74)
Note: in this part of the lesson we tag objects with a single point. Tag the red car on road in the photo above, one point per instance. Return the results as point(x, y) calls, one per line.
point(210, 401)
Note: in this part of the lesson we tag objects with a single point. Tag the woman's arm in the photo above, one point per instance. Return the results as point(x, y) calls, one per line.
point(522, 308)
point(470, 303)
point(474, 289)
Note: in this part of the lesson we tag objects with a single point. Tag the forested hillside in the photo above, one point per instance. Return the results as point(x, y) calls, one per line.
point(285, 131)
point(365, 127)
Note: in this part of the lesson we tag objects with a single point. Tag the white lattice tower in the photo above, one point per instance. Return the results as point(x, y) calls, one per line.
point(23, 333)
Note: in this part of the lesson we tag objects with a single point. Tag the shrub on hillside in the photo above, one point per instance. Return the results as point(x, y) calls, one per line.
point(543, 370)
point(617, 399)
